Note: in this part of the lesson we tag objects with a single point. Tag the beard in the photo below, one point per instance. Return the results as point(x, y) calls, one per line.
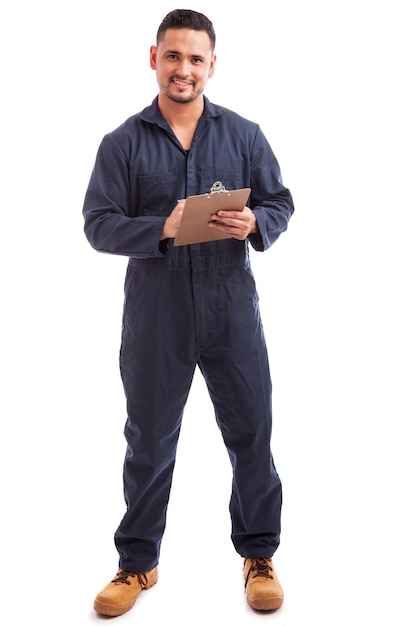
point(178, 96)
point(180, 99)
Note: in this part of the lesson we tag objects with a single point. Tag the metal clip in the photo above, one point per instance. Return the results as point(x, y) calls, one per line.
point(217, 187)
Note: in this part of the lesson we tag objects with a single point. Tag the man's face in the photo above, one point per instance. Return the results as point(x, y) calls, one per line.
point(184, 62)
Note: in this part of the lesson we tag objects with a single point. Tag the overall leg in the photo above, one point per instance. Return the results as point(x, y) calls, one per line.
point(235, 366)
point(157, 364)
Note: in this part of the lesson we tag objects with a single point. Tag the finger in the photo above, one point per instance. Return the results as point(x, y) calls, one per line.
point(232, 215)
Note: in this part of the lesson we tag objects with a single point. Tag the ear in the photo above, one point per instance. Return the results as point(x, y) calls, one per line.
point(212, 65)
point(153, 57)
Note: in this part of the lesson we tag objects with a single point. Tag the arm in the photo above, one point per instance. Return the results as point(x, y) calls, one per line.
point(108, 224)
point(270, 201)
point(271, 204)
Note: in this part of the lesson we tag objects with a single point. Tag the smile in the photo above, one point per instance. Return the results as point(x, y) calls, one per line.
point(183, 84)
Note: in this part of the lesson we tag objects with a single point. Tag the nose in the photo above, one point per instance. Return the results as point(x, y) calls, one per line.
point(183, 68)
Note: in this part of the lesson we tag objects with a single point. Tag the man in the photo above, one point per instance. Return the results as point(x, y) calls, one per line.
point(189, 305)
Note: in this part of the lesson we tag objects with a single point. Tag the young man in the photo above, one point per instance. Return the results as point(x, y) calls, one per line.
point(189, 305)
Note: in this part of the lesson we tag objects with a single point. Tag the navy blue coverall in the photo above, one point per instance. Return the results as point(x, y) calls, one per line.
point(186, 306)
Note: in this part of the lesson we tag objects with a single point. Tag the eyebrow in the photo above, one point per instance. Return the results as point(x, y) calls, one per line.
point(199, 56)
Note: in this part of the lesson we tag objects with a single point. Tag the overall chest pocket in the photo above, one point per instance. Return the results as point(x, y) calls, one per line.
point(230, 178)
point(158, 193)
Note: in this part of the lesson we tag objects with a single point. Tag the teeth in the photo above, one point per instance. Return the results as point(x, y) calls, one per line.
point(182, 83)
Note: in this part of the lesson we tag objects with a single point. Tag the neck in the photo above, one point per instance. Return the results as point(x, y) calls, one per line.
point(181, 114)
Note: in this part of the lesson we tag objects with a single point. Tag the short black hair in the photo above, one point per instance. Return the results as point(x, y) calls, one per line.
point(186, 18)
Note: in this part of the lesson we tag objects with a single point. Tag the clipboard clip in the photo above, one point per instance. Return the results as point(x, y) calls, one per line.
point(217, 187)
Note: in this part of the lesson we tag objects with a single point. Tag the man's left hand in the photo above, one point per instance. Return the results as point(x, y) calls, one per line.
point(238, 224)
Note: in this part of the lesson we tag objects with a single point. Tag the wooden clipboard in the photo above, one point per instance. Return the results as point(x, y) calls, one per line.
point(194, 226)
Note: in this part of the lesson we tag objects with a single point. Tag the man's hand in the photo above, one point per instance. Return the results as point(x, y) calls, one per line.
point(238, 224)
point(171, 225)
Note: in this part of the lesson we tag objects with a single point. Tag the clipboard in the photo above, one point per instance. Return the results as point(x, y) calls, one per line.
point(194, 226)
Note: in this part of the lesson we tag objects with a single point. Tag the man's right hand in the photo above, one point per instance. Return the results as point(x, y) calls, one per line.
point(171, 225)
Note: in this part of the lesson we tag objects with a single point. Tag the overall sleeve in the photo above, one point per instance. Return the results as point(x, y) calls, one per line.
point(271, 202)
point(107, 209)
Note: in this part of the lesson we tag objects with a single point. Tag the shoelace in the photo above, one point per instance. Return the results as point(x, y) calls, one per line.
point(261, 568)
point(122, 577)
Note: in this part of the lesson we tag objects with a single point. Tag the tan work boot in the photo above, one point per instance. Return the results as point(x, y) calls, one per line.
point(121, 593)
point(263, 590)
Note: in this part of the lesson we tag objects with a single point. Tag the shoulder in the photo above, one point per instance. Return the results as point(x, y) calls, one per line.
point(232, 123)
point(126, 129)
point(132, 124)
point(233, 127)
point(128, 135)
point(222, 113)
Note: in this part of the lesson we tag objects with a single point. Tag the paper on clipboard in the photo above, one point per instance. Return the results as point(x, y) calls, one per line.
point(194, 226)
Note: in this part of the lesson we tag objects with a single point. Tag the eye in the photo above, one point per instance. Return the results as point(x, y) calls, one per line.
point(197, 60)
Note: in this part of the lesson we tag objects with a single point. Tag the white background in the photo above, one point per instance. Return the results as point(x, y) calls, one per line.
point(333, 85)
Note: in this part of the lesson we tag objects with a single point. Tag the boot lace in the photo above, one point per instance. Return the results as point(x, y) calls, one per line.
point(261, 568)
point(122, 578)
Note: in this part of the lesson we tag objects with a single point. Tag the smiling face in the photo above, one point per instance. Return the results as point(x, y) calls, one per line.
point(183, 61)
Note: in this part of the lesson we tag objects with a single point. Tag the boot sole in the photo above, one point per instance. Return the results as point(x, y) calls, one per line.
point(265, 604)
point(112, 610)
